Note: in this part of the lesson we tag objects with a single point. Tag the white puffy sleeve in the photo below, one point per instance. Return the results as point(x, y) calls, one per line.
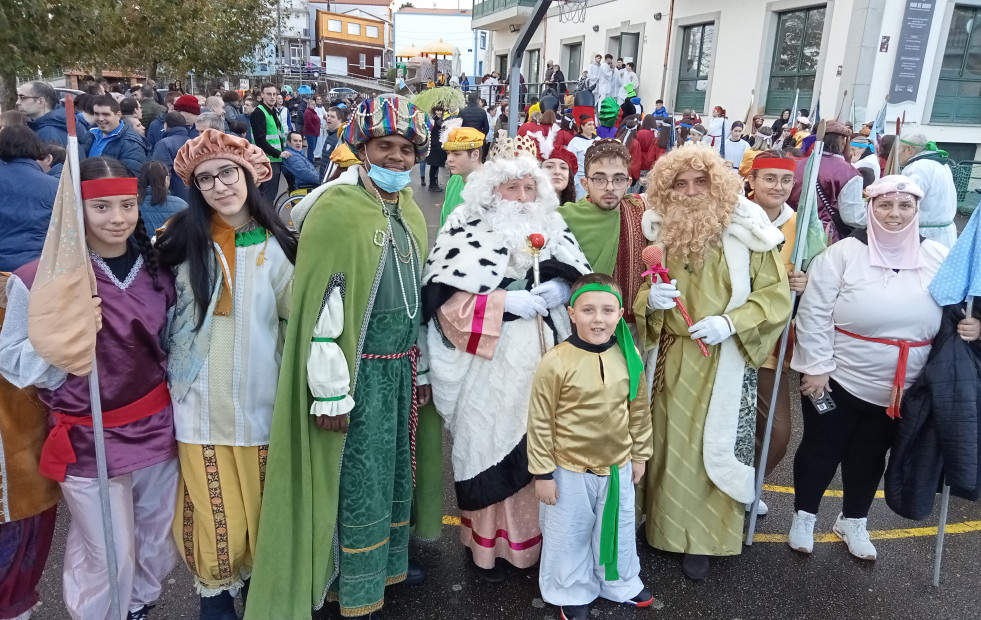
point(20, 364)
point(327, 373)
point(851, 204)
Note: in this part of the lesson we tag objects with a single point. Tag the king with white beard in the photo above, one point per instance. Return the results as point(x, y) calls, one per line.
point(482, 310)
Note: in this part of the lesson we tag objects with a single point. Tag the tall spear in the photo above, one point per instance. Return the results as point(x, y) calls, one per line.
point(64, 283)
point(807, 211)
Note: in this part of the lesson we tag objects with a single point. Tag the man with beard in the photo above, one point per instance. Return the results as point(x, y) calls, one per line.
point(721, 252)
point(607, 222)
point(338, 487)
point(485, 315)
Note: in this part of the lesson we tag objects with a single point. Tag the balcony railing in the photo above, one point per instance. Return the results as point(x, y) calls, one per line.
point(489, 7)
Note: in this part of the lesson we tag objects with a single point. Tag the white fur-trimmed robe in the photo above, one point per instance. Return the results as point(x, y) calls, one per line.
point(749, 231)
point(484, 402)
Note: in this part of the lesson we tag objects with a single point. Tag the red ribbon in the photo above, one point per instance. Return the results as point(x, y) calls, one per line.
point(659, 271)
point(899, 380)
point(477, 325)
point(58, 452)
point(100, 188)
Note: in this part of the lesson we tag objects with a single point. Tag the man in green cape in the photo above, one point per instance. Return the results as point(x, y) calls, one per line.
point(349, 385)
point(607, 222)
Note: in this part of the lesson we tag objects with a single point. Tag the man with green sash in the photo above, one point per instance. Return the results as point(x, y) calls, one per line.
point(269, 135)
point(607, 222)
point(463, 147)
point(338, 489)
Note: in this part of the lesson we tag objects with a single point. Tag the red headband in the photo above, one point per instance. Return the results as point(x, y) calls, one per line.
point(775, 162)
point(100, 188)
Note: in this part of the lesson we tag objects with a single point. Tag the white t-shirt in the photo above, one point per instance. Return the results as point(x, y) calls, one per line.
point(735, 149)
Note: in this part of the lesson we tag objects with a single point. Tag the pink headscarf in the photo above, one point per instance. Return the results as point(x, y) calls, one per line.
point(894, 249)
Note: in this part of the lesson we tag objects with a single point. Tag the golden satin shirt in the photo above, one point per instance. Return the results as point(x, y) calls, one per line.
point(579, 417)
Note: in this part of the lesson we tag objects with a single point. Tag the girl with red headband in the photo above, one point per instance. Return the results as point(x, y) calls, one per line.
point(131, 310)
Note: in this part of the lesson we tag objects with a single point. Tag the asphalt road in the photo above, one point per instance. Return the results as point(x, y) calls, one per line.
point(768, 581)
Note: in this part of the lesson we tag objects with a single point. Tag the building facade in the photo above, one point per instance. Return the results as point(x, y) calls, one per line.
point(919, 58)
point(380, 10)
point(351, 45)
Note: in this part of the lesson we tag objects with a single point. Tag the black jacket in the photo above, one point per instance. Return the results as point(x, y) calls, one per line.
point(474, 116)
point(437, 156)
point(938, 438)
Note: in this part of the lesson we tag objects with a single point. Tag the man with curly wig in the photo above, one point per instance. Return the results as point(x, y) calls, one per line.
point(721, 252)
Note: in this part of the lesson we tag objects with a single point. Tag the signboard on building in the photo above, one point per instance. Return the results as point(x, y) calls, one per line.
point(911, 50)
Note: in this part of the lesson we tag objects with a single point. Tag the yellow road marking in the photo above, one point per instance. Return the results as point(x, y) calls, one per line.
point(828, 493)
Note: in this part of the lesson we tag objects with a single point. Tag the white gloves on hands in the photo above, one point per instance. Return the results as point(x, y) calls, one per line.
point(524, 304)
point(662, 295)
point(711, 330)
point(554, 293)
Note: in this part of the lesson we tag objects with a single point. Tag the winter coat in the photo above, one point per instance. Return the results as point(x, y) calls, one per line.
point(128, 147)
point(300, 167)
point(166, 152)
point(641, 153)
point(53, 127)
point(311, 122)
point(155, 216)
point(28, 198)
point(437, 156)
point(475, 117)
point(938, 438)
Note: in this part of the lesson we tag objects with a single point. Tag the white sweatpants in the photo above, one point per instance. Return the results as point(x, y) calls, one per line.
point(142, 504)
point(570, 572)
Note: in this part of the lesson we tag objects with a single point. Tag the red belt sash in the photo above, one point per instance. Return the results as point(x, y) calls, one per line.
point(58, 452)
point(900, 379)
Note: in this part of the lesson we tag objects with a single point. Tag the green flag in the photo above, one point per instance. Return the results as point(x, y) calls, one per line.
point(811, 238)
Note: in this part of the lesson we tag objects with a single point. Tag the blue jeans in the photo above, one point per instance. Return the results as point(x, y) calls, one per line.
point(311, 147)
point(422, 171)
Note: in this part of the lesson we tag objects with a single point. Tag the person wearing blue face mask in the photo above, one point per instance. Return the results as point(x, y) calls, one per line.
point(352, 383)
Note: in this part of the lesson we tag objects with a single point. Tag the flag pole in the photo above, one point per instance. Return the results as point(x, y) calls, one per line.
point(94, 393)
point(800, 249)
point(945, 497)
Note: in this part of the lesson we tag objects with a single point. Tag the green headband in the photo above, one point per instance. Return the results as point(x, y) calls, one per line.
point(929, 146)
point(635, 365)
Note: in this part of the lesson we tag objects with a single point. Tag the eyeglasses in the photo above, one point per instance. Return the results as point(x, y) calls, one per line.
point(227, 176)
point(619, 182)
point(21, 97)
point(772, 181)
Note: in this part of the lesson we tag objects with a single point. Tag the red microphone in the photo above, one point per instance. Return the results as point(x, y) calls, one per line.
point(652, 256)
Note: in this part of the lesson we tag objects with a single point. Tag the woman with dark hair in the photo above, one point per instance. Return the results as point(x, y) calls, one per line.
point(24, 184)
point(156, 204)
point(133, 301)
point(233, 260)
point(578, 146)
point(561, 167)
point(780, 122)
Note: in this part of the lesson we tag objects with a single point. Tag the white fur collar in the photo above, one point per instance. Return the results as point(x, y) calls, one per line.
point(785, 214)
point(302, 209)
point(750, 225)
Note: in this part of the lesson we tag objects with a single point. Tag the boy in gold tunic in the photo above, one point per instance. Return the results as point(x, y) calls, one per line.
point(589, 438)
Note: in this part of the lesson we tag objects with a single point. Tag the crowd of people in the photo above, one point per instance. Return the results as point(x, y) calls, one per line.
point(275, 396)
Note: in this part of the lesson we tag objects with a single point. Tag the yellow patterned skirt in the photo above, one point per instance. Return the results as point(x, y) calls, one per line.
point(217, 518)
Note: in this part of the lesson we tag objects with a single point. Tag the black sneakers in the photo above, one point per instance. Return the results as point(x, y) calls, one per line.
point(644, 599)
point(574, 612)
point(140, 614)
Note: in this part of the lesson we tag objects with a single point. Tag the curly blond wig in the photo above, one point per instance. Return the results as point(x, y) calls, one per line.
point(692, 224)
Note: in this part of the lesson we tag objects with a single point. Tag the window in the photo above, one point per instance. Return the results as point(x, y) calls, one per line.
point(573, 55)
point(795, 59)
point(483, 40)
point(334, 25)
point(502, 65)
point(362, 60)
point(958, 98)
point(693, 73)
point(295, 53)
point(353, 28)
point(371, 32)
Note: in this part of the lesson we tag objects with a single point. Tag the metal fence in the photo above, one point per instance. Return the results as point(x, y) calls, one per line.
point(967, 180)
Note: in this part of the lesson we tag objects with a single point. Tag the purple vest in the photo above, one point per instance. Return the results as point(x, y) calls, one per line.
point(835, 172)
point(131, 364)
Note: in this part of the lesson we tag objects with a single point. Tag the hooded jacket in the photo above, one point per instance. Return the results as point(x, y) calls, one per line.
point(128, 147)
point(166, 151)
point(28, 196)
point(53, 127)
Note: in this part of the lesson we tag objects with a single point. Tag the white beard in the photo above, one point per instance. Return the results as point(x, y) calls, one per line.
point(514, 221)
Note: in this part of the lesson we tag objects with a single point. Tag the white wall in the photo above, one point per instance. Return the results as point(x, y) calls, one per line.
point(419, 29)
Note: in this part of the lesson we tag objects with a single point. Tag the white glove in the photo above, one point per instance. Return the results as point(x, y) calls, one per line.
point(524, 304)
point(711, 329)
point(555, 293)
point(662, 295)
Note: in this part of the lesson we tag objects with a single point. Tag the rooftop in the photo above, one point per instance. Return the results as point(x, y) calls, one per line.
point(410, 9)
point(354, 2)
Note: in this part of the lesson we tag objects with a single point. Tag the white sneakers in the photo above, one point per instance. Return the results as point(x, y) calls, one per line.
point(761, 509)
point(802, 532)
point(853, 532)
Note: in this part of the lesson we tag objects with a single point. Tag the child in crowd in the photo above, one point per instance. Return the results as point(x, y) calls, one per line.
point(233, 260)
point(589, 439)
point(131, 310)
